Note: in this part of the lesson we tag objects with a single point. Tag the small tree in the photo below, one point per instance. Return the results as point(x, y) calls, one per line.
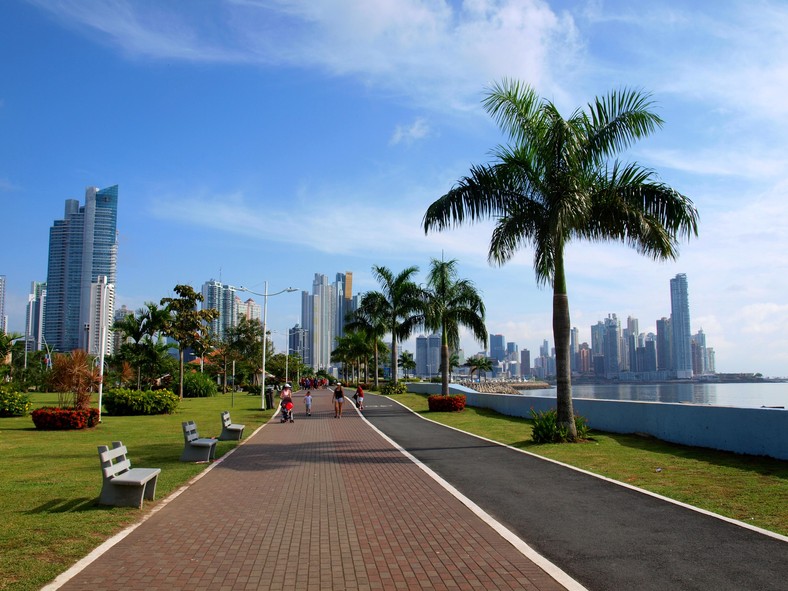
point(185, 323)
point(74, 375)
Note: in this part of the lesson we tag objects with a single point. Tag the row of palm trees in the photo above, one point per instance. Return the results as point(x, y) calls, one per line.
point(445, 304)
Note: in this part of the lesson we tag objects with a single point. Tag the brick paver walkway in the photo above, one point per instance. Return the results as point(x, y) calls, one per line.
point(321, 503)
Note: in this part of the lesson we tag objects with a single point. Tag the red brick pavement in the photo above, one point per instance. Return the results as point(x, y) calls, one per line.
point(321, 503)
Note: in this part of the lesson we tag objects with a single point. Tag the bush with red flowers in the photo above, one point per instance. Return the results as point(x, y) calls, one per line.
point(450, 403)
point(60, 419)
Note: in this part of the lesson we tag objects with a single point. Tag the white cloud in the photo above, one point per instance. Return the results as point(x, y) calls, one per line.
point(408, 134)
point(438, 54)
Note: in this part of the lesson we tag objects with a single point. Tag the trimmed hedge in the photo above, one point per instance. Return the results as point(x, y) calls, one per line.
point(450, 403)
point(14, 404)
point(125, 402)
point(62, 419)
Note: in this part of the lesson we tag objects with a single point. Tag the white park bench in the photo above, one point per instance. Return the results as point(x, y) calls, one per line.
point(196, 448)
point(230, 430)
point(123, 485)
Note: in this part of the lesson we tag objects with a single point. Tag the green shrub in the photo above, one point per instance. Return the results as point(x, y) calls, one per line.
point(547, 430)
point(450, 403)
point(198, 385)
point(14, 404)
point(61, 419)
point(125, 402)
point(390, 388)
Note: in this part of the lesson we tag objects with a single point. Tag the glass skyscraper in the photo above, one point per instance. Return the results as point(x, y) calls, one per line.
point(680, 325)
point(82, 246)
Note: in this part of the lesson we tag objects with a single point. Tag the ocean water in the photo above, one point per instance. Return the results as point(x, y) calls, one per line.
point(745, 395)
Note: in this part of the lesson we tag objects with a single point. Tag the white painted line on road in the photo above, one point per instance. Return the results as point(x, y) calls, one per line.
point(551, 569)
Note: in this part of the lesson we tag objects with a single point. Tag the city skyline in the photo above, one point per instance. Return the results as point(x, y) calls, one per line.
point(259, 142)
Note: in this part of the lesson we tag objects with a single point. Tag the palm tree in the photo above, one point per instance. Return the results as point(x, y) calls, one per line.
point(558, 181)
point(407, 362)
point(450, 303)
point(401, 303)
point(372, 319)
point(478, 363)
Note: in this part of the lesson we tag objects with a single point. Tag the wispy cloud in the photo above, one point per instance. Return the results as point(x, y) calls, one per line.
point(435, 53)
point(408, 134)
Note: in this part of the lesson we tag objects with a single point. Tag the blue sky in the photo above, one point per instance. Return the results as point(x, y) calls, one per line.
point(258, 140)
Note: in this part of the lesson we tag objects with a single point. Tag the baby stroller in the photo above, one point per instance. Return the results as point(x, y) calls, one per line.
point(287, 410)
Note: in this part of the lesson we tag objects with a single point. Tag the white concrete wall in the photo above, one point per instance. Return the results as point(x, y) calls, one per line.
point(756, 431)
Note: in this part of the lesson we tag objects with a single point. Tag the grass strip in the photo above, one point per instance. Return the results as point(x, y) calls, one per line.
point(751, 489)
point(50, 480)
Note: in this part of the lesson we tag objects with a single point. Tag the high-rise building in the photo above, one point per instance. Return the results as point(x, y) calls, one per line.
point(497, 347)
point(699, 355)
point(3, 317)
point(664, 349)
point(680, 323)
point(118, 340)
point(612, 352)
point(220, 297)
point(34, 317)
point(525, 363)
point(428, 355)
point(82, 246)
point(102, 311)
point(323, 316)
point(249, 309)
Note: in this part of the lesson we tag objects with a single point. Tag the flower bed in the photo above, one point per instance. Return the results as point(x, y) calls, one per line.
point(61, 419)
point(450, 403)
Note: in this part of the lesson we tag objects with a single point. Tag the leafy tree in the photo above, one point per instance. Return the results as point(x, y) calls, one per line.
point(401, 303)
point(144, 329)
point(407, 362)
point(449, 304)
point(244, 342)
point(185, 323)
point(557, 181)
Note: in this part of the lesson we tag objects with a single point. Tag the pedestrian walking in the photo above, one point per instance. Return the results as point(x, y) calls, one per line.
point(359, 397)
point(308, 403)
point(339, 398)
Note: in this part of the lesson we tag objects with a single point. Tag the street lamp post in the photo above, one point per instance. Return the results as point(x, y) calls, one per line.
point(265, 295)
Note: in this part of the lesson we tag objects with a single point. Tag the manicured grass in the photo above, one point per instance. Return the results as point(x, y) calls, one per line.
point(50, 480)
point(748, 488)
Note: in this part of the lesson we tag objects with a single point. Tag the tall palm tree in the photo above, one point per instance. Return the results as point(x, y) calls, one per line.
point(449, 304)
point(401, 303)
point(372, 319)
point(558, 180)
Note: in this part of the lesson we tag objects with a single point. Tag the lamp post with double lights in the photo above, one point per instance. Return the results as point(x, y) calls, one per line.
point(265, 295)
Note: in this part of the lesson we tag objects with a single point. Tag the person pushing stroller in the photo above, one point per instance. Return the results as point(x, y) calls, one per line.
point(286, 403)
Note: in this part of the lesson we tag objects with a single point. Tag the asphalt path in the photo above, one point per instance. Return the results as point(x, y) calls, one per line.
point(604, 535)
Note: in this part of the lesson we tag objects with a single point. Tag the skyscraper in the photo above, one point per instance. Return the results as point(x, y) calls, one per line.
point(102, 311)
point(323, 314)
point(34, 317)
point(497, 347)
point(220, 297)
point(82, 246)
point(680, 324)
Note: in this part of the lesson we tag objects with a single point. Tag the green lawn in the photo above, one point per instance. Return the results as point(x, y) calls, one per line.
point(50, 480)
point(748, 488)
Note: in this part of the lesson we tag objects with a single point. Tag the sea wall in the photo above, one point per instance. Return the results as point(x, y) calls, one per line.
point(756, 431)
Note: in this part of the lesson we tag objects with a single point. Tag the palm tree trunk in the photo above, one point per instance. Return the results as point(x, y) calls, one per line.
point(561, 334)
point(394, 359)
point(444, 362)
point(377, 384)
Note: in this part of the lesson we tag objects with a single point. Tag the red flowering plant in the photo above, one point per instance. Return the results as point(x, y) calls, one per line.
point(450, 403)
point(74, 377)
